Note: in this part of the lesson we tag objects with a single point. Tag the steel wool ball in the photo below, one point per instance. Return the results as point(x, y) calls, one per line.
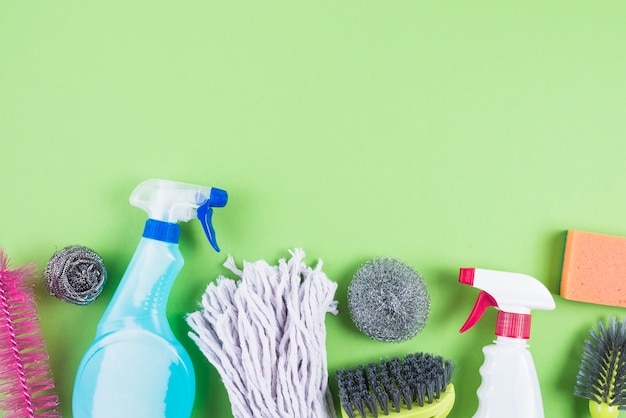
point(75, 274)
point(388, 300)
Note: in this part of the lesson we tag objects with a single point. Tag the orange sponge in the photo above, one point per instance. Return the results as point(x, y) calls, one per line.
point(594, 268)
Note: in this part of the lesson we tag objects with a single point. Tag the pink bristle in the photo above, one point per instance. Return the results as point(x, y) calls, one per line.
point(26, 382)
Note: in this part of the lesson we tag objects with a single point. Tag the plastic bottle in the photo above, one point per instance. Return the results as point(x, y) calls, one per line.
point(135, 367)
point(510, 387)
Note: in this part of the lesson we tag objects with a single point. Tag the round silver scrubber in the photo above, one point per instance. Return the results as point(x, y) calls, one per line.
point(388, 300)
point(75, 274)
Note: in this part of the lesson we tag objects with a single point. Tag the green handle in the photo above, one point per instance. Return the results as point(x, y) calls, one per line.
point(603, 410)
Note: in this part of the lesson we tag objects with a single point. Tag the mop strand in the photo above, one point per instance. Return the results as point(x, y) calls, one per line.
point(266, 337)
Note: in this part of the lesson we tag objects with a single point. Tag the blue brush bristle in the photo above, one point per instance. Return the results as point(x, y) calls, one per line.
point(376, 387)
point(343, 378)
point(601, 376)
point(383, 399)
point(417, 379)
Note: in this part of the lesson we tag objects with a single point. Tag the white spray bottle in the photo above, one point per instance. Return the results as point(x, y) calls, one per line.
point(509, 387)
point(135, 367)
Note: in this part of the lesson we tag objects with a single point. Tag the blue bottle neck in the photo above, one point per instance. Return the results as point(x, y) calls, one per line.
point(140, 299)
point(162, 231)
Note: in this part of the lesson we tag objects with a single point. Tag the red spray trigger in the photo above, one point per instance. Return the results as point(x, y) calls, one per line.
point(484, 301)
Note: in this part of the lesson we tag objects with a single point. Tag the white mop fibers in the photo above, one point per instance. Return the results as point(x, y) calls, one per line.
point(266, 337)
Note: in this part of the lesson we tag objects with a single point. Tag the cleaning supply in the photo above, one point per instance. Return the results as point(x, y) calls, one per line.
point(76, 274)
point(601, 376)
point(136, 367)
point(27, 389)
point(416, 386)
point(266, 337)
point(594, 268)
point(510, 387)
point(388, 300)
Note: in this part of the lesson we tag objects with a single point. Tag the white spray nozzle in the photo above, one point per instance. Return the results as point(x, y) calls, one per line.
point(515, 295)
point(172, 202)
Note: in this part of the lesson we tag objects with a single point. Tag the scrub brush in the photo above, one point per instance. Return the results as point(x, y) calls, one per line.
point(417, 386)
point(27, 387)
point(601, 376)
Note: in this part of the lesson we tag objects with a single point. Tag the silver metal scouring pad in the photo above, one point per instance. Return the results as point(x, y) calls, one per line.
point(388, 300)
point(75, 274)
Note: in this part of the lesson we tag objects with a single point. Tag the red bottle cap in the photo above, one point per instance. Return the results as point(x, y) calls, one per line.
point(513, 325)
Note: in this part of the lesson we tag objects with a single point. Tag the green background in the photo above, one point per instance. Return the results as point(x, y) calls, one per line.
point(444, 133)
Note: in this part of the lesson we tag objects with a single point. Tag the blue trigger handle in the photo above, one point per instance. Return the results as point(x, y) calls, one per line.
point(217, 199)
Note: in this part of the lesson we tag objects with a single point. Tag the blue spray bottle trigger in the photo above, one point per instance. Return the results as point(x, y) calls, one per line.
point(217, 199)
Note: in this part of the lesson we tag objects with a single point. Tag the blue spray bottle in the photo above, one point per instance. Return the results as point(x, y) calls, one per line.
point(135, 367)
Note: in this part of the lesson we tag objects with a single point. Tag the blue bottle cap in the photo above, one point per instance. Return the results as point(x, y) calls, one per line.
point(162, 231)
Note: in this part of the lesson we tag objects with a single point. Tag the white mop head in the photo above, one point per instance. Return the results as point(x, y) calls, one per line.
point(266, 337)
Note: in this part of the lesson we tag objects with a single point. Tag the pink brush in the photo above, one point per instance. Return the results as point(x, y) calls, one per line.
point(26, 384)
